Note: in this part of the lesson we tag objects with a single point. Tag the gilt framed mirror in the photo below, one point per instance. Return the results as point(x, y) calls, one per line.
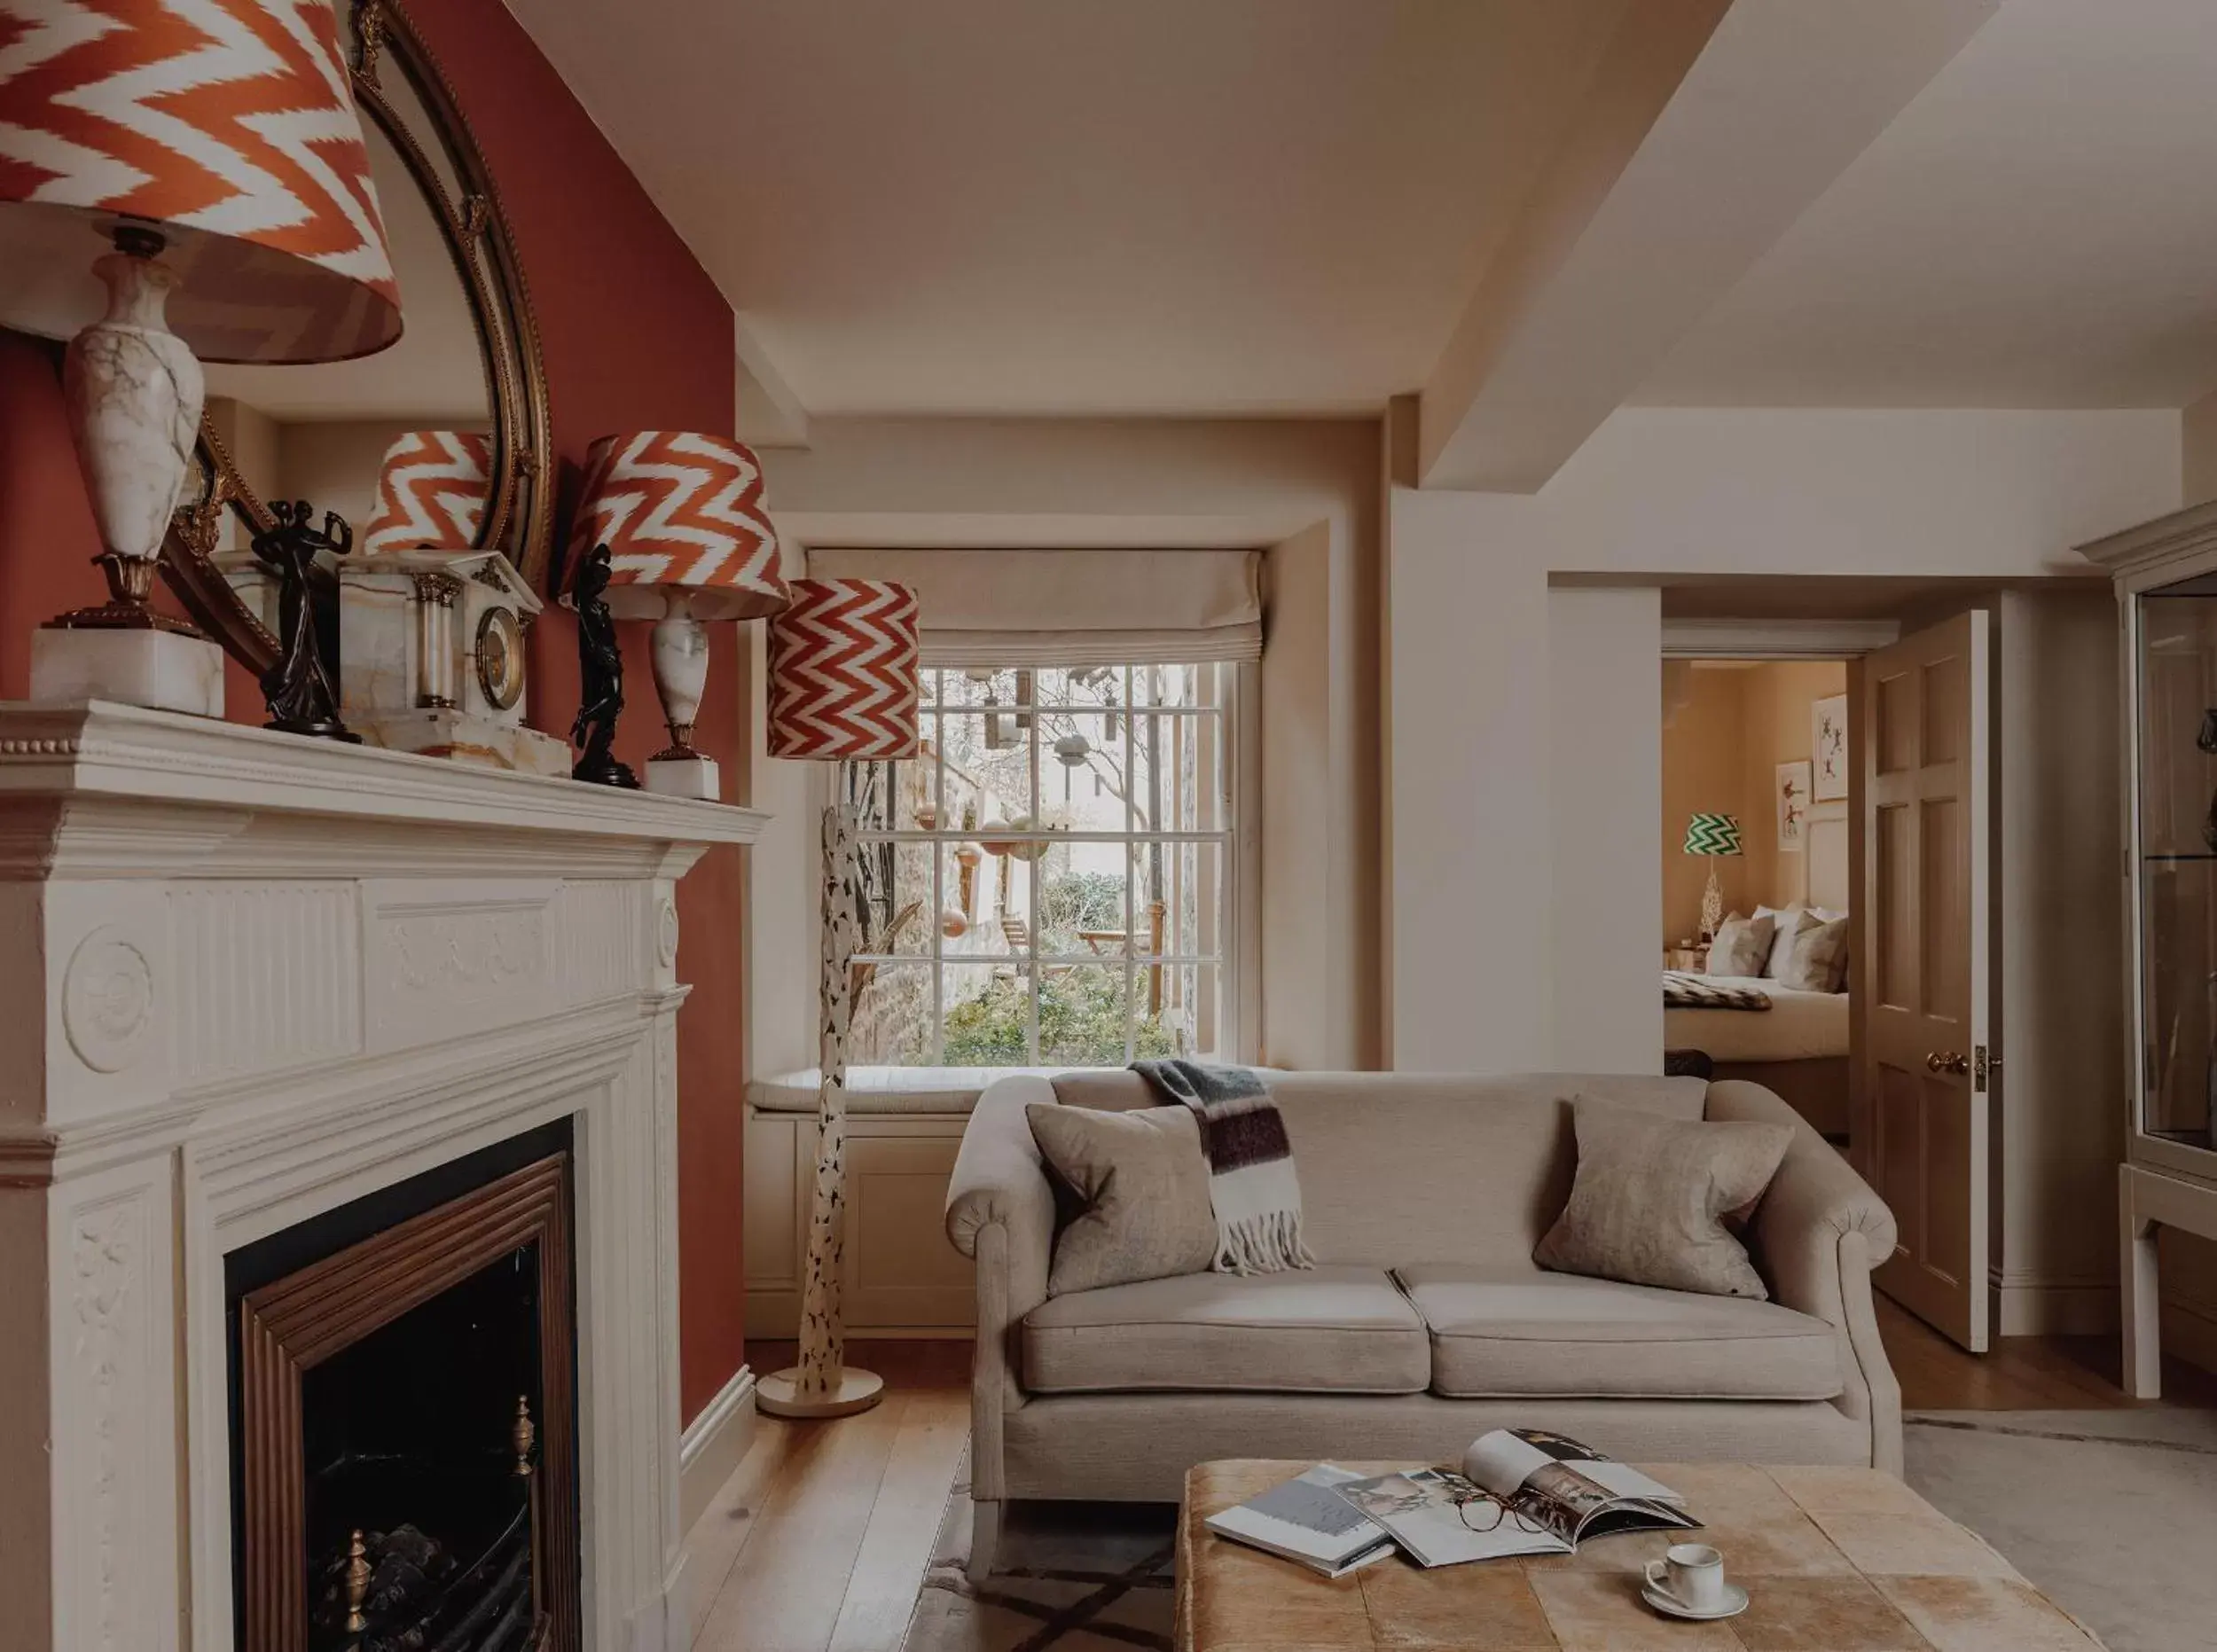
point(464, 387)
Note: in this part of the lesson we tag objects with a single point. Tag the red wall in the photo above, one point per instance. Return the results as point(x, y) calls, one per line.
point(635, 336)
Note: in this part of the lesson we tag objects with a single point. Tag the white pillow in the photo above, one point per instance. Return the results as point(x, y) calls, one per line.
point(1787, 920)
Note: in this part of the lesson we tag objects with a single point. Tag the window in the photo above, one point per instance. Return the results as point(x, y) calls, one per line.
point(1051, 883)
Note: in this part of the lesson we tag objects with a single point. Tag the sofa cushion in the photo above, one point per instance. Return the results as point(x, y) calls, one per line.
point(1512, 1332)
point(1142, 1186)
point(1343, 1330)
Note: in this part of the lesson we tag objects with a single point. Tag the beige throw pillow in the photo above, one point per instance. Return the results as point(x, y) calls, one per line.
point(1742, 947)
point(1649, 1204)
point(1143, 1185)
point(1817, 960)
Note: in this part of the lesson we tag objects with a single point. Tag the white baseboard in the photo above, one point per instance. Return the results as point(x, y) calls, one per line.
point(713, 1444)
point(2034, 1307)
point(2190, 1332)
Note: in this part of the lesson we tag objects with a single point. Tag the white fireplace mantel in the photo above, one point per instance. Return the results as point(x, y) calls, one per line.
point(246, 978)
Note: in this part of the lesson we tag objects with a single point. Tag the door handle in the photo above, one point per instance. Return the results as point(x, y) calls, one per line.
point(1947, 1061)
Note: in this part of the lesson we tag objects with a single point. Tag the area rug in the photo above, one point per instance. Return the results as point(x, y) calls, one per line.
point(2108, 1512)
point(1071, 1577)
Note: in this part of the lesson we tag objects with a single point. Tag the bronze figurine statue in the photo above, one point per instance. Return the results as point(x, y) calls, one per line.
point(600, 675)
point(302, 688)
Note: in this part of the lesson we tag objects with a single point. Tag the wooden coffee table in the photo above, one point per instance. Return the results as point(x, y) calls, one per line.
point(1834, 1560)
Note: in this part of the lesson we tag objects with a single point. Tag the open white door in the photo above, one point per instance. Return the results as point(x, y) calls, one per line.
point(1926, 1072)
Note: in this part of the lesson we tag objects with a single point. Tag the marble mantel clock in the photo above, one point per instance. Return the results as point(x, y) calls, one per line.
point(431, 654)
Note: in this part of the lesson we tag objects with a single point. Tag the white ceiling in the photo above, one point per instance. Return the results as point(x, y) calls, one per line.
point(1289, 207)
point(2038, 229)
point(1085, 205)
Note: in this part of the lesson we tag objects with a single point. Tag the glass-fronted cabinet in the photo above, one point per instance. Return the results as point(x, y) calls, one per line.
point(2167, 588)
point(2175, 700)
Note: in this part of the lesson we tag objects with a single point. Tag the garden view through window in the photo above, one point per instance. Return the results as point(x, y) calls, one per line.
point(1049, 883)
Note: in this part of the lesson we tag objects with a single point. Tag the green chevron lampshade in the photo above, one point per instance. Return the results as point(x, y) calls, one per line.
point(1713, 835)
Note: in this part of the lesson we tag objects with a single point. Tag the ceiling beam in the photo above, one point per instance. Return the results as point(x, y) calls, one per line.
point(1705, 134)
point(769, 414)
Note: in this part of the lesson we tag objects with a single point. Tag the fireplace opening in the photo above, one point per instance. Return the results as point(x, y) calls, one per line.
point(404, 1420)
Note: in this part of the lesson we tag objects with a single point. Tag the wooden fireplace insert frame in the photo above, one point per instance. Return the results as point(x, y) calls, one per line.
point(296, 1323)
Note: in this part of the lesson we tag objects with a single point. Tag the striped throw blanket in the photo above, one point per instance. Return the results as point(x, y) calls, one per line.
point(1685, 991)
point(1251, 1180)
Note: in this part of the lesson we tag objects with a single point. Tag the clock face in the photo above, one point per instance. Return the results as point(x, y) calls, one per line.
point(500, 657)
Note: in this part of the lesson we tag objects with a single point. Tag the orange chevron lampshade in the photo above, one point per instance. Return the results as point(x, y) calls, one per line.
point(685, 524)
point(228, 126)
point(843, 671)
point(431, 492)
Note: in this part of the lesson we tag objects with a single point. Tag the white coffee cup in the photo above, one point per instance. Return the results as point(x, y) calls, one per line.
point(1691, 1574)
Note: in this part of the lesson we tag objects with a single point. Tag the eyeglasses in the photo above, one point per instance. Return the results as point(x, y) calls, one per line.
point(1481, 1512)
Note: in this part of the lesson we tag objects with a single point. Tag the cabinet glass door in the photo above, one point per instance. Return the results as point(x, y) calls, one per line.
point(2177, 859)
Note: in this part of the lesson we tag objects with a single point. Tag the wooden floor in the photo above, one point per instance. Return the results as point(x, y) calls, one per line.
point(819, 1540)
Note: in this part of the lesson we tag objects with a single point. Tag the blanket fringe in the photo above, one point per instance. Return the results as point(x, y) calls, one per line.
point(1268, 1243)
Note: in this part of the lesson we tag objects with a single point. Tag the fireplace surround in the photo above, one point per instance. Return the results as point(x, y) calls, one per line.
point(251, 979)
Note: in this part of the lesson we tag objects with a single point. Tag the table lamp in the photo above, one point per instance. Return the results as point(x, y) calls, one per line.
point(689, 540)
point(843, 687)
point(431, 492)
point(214, 147)
point(1714, 837)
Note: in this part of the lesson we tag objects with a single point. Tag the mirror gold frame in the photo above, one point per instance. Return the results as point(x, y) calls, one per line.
point(519, 509)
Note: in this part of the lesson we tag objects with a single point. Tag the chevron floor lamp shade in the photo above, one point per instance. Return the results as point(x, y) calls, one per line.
point(1714, 837)
point(237, 234)
point(842, 688)
point(431, 492)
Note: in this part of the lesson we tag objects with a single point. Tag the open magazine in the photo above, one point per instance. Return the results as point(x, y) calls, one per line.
point(1521, 1491)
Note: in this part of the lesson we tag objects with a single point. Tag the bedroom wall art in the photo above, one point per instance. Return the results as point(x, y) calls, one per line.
point(1790, 793)
point(1828, 747)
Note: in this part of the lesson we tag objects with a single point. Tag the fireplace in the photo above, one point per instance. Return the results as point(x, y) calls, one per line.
point(272, 999)
point(403, 1461)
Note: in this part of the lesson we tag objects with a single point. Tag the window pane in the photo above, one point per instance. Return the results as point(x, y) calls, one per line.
point(1082, 900)
point(988, 1016)
point(896, 898)
point(1187, 881)
point(891, 1021)
point(1178, 1011)
point(1082, 1015)
point(986, 780)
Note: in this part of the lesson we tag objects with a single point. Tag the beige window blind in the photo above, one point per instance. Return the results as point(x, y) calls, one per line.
point(1072, 608)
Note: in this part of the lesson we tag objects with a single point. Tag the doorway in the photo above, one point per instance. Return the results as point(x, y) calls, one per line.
point(1757, 880)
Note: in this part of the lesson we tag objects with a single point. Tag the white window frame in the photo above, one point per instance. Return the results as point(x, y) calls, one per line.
point(1236, 959)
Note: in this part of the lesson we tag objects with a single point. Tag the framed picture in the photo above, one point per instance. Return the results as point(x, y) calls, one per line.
point(1828, 747)
point(1792, 797)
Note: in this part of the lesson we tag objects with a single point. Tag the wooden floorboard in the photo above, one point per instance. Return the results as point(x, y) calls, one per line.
point(818, 1542)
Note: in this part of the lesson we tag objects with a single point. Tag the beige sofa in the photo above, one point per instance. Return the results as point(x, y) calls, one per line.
point(1425, 1321)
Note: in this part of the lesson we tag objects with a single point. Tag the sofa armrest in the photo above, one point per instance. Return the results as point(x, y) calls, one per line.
point(1000, 1212)
point(1817, 1236)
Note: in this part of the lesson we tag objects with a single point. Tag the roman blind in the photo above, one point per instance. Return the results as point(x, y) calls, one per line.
point(1081, 607)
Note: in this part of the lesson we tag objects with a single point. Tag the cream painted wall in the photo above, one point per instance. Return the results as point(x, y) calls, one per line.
point(1604, 666)
point(1776, 697)
point(782, 895)
point(2001, 496)
point(2197, 451)
point(1703, 773)
point(1304, 491)
point(2059, 973)
point(1294, 831)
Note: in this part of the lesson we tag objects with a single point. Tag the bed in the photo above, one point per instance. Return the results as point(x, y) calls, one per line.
point(1797, 1048)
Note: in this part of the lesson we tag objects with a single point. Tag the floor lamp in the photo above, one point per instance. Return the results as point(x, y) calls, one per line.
point(842, 688)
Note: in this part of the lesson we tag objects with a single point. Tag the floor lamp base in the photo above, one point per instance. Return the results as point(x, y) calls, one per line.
point(779, 1395)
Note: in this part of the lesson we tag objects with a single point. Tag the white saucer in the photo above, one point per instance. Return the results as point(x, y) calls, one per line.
point(1735, 1603)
